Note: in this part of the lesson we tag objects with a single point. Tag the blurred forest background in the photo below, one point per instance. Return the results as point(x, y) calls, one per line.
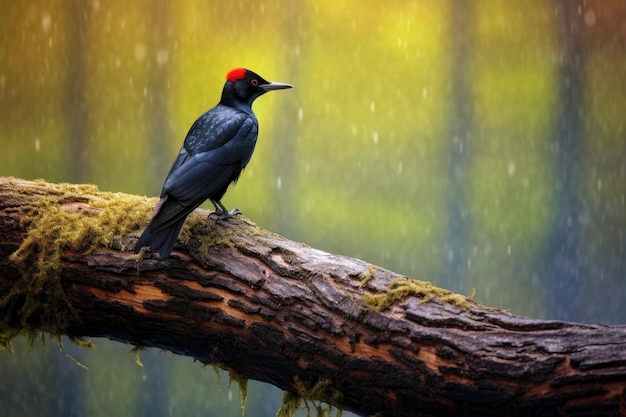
point(475, 144)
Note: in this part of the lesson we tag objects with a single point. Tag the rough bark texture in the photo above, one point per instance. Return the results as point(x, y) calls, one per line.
point(279, 311)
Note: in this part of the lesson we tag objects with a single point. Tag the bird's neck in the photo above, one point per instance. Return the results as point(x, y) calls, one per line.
point(231, 98)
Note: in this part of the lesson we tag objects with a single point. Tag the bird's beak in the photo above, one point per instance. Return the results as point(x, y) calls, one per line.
point(274, 86)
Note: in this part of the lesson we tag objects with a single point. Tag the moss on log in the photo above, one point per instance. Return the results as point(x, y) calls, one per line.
point(327, 327)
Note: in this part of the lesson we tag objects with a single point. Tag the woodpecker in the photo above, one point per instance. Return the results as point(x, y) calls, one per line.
point(217, 148)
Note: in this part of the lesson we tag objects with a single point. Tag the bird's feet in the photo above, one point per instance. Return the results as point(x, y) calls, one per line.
point(222, 213)
point(225, 215)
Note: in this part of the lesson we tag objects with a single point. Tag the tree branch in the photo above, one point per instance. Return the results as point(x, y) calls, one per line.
point(324, 326)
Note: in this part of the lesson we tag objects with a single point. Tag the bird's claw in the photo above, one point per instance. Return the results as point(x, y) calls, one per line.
point(225, 215)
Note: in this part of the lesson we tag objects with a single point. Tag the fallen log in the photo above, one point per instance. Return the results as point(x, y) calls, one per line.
point(320, 326)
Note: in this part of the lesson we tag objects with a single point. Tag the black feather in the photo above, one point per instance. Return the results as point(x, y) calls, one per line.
point(216, 149)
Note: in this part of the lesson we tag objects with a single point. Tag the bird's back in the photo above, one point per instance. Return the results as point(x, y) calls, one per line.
point(218, 146)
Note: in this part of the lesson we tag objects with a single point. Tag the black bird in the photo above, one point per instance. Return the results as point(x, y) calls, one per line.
point(217, 148)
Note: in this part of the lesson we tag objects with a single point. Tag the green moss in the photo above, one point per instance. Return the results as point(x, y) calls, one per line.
point(402, 288)
point(216, 369)
point(291, 403)
point(136, 351)
point(5, 341)
point(366, 276)
point(75, 218)
point(80, 342)
point(318, 396)
point(242, 382)
point(259, 232)
point(208, 237)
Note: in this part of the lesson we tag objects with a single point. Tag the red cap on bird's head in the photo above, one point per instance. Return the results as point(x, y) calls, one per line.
point(248, 85)
point(236, 74)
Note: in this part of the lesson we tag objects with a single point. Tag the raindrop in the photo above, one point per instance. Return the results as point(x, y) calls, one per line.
point(511, 168)
point(372, 106)
point(590, 18)
point(279, 182)
point(162, 56)
point(424, 92)
point(375, 138)
point(37, 145)
point(140, 51)
point(46, 22)
point(300, 114)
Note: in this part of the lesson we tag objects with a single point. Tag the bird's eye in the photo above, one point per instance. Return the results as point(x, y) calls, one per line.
point(254, 83)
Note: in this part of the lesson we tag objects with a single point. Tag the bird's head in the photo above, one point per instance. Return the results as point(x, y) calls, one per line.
point(244, 86)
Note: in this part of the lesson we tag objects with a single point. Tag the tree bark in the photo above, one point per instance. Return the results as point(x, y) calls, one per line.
point(324, 326)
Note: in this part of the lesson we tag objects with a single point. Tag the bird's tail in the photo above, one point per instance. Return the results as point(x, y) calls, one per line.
point(162, 240)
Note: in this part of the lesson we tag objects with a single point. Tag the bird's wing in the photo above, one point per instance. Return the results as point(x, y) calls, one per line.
point(203, 174)
point(210, 131)
point(188, 188)
point(168, 212)
point(214, 129)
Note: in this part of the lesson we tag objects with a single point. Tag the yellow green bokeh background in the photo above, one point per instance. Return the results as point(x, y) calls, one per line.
point(438, 139)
